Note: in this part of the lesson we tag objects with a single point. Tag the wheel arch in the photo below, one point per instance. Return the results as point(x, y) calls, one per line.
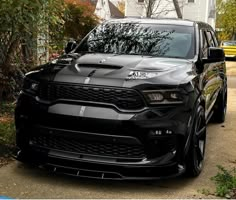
point(199, 102)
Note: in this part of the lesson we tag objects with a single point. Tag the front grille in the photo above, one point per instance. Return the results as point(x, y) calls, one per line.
point(127, 99)
point(89, 148)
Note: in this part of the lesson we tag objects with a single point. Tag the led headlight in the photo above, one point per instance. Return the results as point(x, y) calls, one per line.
point(155, 97)
point(34, 86)
point(30, 86)
point(163, 96)
point(174, 96)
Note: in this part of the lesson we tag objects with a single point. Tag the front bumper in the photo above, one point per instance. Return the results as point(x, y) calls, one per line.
point(69, 165)
point(146, 145)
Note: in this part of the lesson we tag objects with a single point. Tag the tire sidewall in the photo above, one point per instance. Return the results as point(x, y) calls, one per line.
point(193, 168)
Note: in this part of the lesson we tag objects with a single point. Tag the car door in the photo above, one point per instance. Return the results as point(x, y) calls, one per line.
point(211, 72)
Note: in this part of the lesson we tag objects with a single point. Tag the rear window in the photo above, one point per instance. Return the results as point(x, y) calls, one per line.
point(141, 39)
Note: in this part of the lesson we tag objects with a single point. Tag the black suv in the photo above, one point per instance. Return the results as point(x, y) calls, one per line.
point(130, 101)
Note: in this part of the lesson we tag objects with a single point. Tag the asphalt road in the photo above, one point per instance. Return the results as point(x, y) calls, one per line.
point(20, 181)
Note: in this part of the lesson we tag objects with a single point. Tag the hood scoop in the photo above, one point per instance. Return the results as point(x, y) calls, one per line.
point(100, 66)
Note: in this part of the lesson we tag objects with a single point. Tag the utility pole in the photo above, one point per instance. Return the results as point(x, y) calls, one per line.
point(177, 8)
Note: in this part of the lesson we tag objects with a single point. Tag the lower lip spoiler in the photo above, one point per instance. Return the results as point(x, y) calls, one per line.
point(94, 174)
point(109, 174)
point(84, 173)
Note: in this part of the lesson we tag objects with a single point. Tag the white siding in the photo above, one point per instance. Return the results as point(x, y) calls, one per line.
point(164, 9)
point(134, 9)
point(102, 10)
point(200, 11)
point(197, 11)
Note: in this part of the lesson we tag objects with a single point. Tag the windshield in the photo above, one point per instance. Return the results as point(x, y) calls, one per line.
point(229, 43)
point(140, 39)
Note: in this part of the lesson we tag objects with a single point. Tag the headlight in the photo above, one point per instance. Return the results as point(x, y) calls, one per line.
point(30, 86)
point(157, 96)
point(163, 96)
point(135, 75)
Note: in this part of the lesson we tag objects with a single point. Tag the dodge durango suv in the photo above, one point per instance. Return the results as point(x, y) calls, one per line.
point(130, 101)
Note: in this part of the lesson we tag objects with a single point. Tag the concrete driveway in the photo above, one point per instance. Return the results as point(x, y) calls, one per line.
point(19, 181)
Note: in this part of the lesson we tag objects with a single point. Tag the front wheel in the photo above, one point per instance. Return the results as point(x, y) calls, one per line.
point(195, 156)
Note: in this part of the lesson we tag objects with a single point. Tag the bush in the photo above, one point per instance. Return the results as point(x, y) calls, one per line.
point(225, 181)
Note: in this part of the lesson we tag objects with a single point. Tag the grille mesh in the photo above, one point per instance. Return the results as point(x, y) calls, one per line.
point(127, 99)
point(91, 148)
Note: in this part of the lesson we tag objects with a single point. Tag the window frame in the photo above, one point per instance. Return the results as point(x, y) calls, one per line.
point(204, 43)
point(210, 38)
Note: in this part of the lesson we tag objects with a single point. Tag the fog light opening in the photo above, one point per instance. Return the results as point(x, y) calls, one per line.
point(158, 132)
point(169, 132)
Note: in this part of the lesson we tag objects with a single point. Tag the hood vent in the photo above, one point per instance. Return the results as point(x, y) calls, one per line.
point(101, 66)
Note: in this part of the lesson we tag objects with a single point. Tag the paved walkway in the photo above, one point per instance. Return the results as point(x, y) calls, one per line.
point(231, 68)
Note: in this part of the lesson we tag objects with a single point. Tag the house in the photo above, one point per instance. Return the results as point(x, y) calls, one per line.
point(198, 10)
point(105, 10)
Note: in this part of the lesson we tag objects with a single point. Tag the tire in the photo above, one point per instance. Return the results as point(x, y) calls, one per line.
point(196, 152)
point(220, 107)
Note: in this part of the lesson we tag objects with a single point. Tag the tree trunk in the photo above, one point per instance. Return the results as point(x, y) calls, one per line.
point(7, 63)
point(149, 7)
point(177, 8)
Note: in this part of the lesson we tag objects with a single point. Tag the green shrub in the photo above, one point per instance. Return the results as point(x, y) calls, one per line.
point(225, 181)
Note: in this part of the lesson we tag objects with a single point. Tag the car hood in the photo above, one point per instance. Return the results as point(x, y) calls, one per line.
point(115, 70)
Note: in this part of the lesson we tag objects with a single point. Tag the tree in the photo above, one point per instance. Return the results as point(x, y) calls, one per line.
point(157, 8)
point(226, 19)
point(21, 21)
point(80, 18)
point(177, 9)
point(25, 22)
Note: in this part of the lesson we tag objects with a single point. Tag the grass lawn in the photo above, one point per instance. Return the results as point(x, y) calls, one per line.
point(7, 132)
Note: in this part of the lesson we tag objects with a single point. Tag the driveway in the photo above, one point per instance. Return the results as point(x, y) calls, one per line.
point(19, 181)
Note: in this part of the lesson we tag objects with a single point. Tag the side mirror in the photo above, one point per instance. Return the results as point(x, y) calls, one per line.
point(70, 46)
point(215, 54)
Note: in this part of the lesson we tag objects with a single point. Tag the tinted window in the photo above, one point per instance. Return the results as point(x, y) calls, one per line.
point(141, 39)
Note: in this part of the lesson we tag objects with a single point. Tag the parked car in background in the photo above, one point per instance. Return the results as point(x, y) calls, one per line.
point(131, 101)
point(229, 48)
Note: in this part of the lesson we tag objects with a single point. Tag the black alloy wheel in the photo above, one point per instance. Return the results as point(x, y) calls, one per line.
point(196, 152)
